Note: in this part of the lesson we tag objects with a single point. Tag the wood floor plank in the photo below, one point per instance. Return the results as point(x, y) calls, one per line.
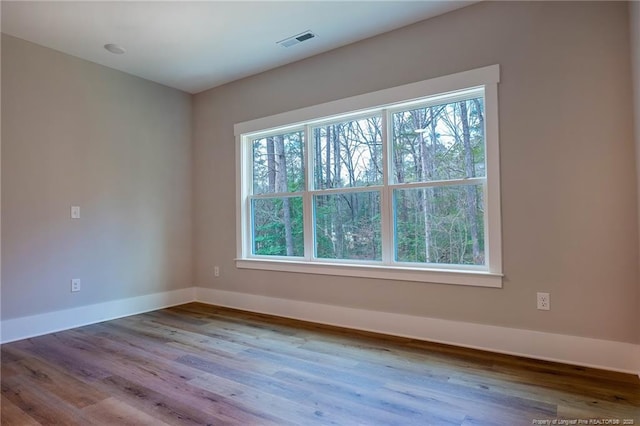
point(572, 397)
point(185, 337)
point(64, 386)
point(11, 414)
point(44, 407)
point(159, 405)
point(118, 358)
point(298, 413)
point(599, 410)
point(487, 410)
point(256, 378)
point(375, 404)
point(198, 364)
point(113, 411)
point(10, 354)
point(72, 360)
point(189, 405)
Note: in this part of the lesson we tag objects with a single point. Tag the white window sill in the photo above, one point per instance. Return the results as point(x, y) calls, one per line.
point(440, 276)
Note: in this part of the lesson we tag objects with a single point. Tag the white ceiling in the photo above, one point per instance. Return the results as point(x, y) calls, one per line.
point(194, 46)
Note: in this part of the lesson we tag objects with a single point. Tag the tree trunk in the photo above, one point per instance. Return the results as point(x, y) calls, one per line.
point(428, 172)
point(338, 222)
point(471, 200)
point(337, 160)
point(478, 107)
point(271, 165)
point(328, 159)
point(281, 186)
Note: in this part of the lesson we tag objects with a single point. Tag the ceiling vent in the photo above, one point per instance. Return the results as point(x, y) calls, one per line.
point(290, 41)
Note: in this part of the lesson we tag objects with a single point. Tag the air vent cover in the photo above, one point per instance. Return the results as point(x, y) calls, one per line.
point(299, 38)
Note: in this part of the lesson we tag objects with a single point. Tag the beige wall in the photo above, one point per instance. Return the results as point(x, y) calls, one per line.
point(118, 146)
point(567, 157)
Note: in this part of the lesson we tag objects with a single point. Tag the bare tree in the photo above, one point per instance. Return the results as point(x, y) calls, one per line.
point(281, 186)
point(471, 201)
point(271, 165)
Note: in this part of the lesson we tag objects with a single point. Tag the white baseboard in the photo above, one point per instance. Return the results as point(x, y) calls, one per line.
point(604, 354)
point(51, 322)
point(583, 351)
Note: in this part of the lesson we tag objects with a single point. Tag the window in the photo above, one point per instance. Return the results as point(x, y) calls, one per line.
point(397, 184)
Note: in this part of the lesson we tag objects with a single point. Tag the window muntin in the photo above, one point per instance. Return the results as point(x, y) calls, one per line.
point(481, 267)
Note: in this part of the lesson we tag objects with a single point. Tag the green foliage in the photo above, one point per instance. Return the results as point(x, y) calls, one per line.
point(348, 226)
point(269, 226)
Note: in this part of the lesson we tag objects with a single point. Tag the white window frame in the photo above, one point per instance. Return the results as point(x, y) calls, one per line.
point(488, 275)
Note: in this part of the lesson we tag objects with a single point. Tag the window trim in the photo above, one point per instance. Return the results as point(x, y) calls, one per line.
point(489, 275)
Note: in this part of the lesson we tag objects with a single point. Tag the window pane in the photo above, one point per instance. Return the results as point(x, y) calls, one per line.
point(347, 226)
point(277, 226)
point(348, 154)
point(439, 142)
point(278, 163)
point(440, 225)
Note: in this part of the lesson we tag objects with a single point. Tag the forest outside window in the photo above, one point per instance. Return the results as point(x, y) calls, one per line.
point(405, 190)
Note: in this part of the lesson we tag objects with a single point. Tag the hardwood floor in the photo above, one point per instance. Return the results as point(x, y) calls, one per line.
point(197, 364)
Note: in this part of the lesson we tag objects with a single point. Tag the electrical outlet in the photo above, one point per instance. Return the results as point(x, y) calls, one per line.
point(75, 284)
point(544, 301)
point(75, 212)
point(216, 271)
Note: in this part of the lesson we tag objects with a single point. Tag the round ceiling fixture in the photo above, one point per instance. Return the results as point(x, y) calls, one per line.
point(114, 48)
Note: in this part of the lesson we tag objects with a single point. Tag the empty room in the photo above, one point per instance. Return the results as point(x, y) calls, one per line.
point(320, 212)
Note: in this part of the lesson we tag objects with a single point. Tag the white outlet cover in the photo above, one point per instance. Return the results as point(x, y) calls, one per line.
point(75, 284)
point(544, 301)
point(75, 212)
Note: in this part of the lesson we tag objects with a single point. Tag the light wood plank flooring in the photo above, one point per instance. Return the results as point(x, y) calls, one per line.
point(198, 364)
